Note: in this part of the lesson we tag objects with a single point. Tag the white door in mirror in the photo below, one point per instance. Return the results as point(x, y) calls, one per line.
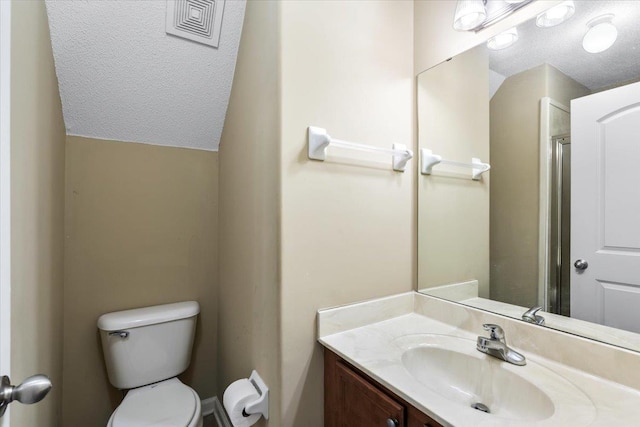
point(605, 207)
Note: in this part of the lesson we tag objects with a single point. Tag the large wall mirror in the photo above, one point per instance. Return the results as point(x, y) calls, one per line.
point(555, 222)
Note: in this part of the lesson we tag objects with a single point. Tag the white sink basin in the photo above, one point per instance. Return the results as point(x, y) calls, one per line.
point(453, 369)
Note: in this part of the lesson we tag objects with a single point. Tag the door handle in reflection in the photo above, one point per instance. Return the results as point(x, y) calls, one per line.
point(581, 264)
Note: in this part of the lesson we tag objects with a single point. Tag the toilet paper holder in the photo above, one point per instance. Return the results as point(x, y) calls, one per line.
point(260, 405)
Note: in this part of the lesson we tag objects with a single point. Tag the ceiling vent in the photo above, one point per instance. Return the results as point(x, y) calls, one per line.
point(197, 20)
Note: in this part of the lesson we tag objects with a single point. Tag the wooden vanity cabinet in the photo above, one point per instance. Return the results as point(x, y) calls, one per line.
point(418, 419)
point(351, 399)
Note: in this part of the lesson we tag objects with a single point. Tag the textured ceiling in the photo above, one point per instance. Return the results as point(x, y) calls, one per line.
point(561, 46)
point(123, 78)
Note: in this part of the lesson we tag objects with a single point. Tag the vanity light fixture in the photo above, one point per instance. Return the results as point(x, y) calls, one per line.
point(556, 15)
point(503, 40)
point(469, 14)
point(475, 15)
point(602, 34)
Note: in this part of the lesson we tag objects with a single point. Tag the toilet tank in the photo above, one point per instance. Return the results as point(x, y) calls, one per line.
point(150, 344)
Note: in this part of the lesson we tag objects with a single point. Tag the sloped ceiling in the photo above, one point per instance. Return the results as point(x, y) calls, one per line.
point(123, 78)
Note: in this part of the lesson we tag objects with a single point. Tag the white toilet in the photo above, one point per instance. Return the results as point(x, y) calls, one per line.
point(145, 349)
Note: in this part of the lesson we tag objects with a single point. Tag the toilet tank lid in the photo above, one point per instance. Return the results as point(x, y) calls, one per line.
point(145, 316)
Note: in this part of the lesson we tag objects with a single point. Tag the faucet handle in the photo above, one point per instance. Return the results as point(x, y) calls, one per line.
point(531, 316)
point(534, 309)
point(495, 331)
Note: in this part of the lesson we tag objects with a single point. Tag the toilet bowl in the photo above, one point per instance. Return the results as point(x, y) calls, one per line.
point(168, 403)
point(145, 349)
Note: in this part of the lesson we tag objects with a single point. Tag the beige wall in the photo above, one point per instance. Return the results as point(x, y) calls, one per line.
point(141, 229)
point(347, 224)
point(249, 211)
point(453, 220)
point(515, 125)
point(562, 88)
point(37, 212)
point(515, 192)
point(436, 40)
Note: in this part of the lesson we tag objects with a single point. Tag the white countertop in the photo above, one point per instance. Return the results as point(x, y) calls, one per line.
point(372, 336)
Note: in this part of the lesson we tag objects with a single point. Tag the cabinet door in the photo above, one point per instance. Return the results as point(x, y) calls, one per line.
point(360, 404)
point(418, 419)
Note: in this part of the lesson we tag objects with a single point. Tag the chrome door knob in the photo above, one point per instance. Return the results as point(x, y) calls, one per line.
point(581, 264)
point(32, 390)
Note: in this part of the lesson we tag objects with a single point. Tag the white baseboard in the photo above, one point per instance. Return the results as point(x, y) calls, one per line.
point(207, 405)
point(219, 413)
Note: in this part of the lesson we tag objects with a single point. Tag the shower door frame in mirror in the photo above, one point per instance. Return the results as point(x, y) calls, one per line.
point(558, 289)
point(547, 258)
point(545, 264)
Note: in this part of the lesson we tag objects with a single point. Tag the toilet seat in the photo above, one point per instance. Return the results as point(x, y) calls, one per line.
point(168, 403)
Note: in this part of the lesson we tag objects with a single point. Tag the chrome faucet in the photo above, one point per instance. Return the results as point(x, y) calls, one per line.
point(531, 316)
point(495, 345)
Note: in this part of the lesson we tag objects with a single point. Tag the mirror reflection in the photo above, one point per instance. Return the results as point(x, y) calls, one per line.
point(555, 222)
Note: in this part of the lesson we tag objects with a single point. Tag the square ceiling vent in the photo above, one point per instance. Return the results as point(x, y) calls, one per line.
point(197, 20)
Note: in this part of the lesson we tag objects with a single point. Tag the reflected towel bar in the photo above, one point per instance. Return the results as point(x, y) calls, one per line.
point(320, 140)
point(429, 160)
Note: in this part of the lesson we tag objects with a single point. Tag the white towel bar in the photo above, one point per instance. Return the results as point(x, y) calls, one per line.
point(320, 140)
point(429, 160)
